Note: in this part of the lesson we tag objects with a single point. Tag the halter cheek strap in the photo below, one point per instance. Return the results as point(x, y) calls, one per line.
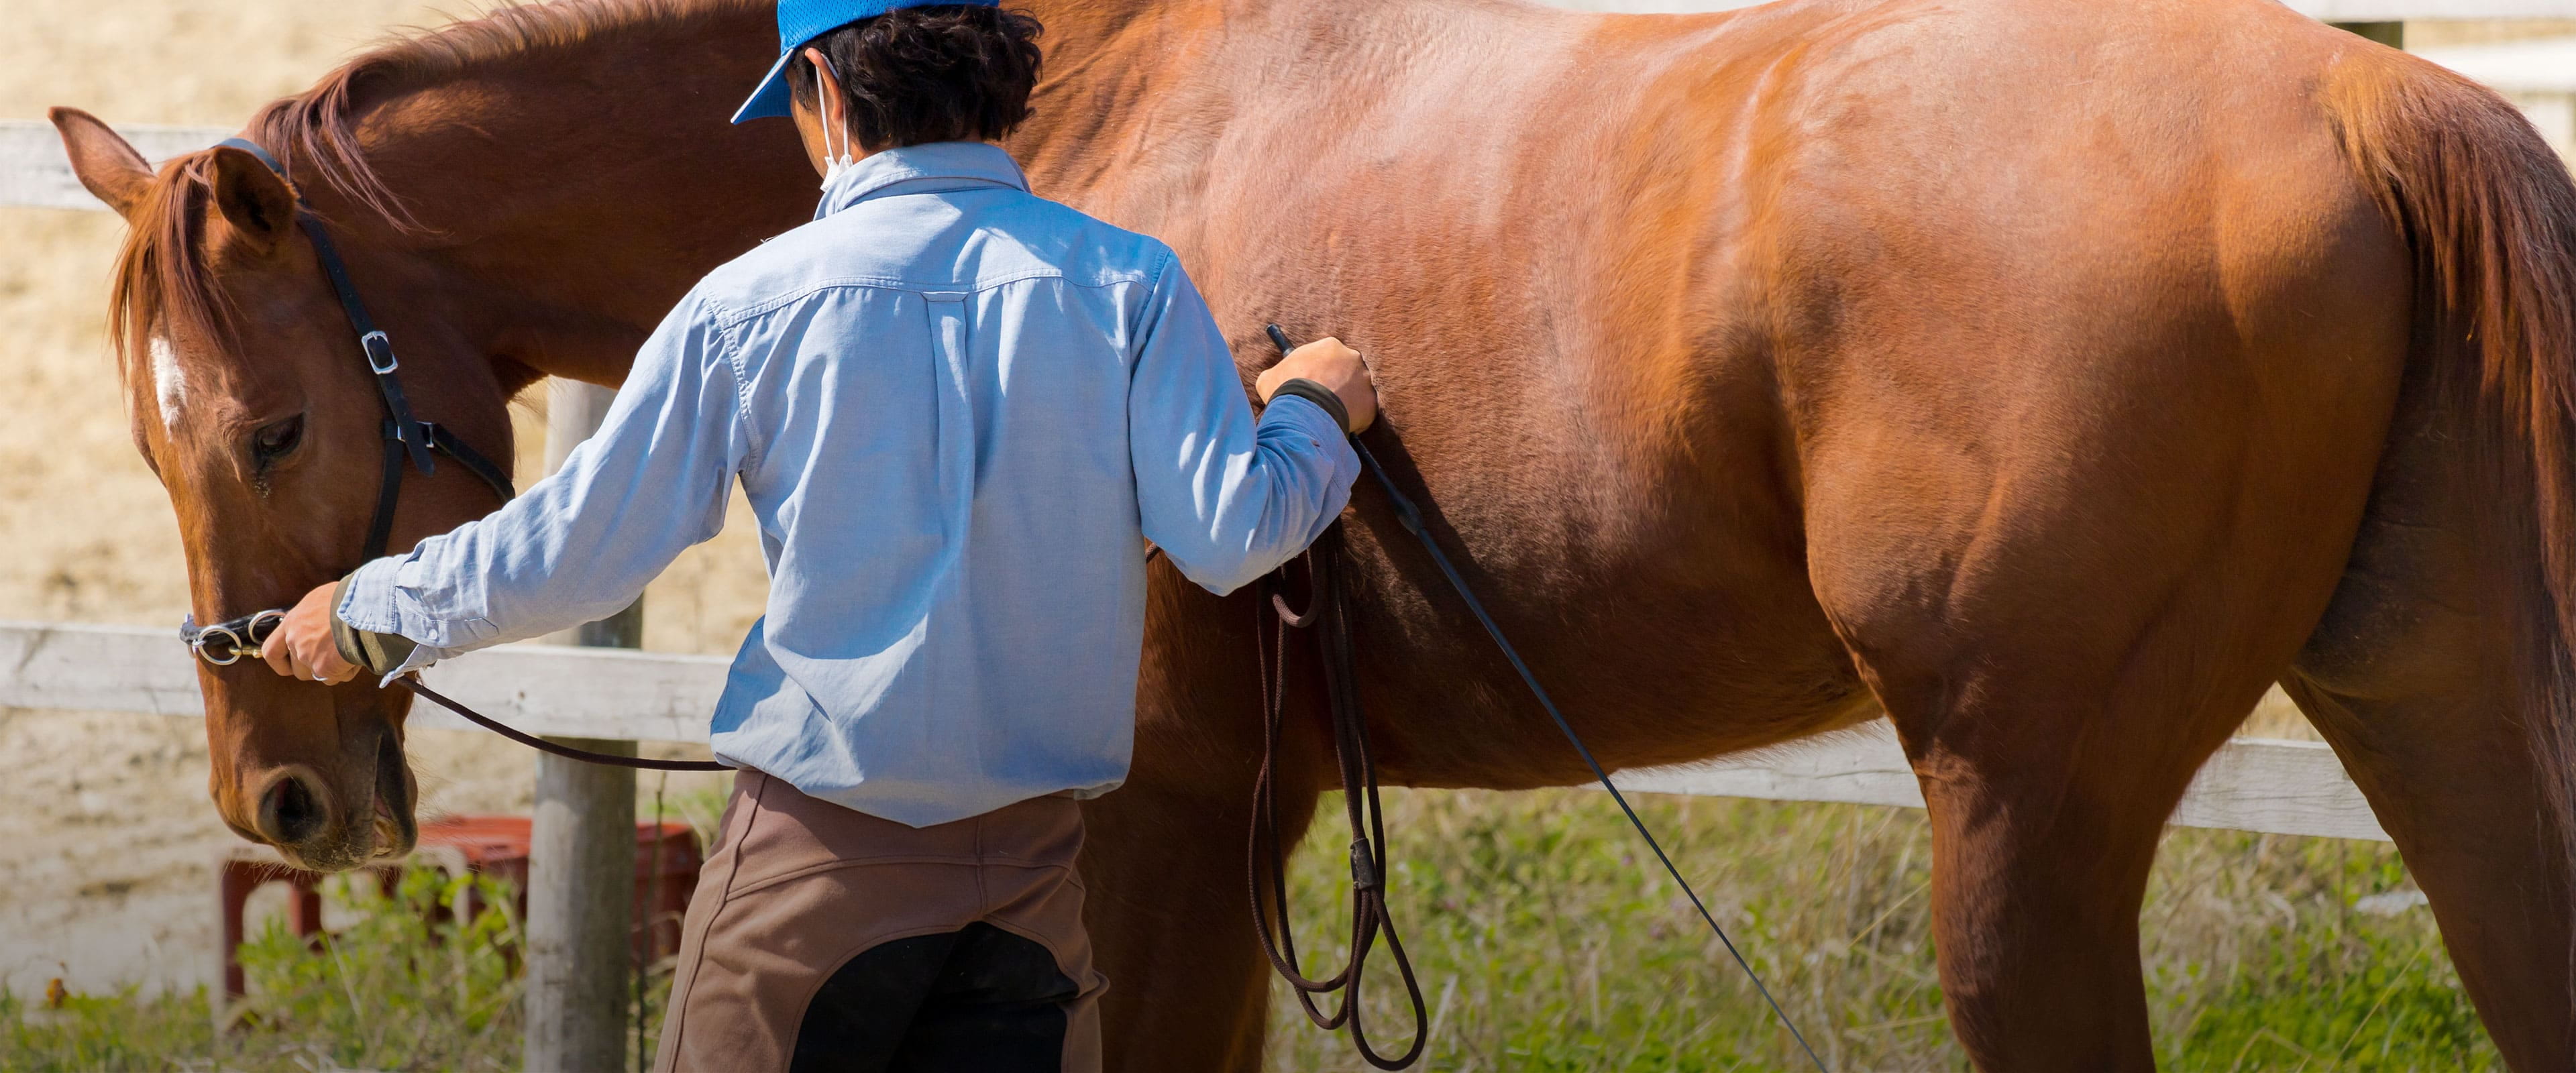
point(407, 438)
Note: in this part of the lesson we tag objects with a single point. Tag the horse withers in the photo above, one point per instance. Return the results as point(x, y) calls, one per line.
point(2051, 376)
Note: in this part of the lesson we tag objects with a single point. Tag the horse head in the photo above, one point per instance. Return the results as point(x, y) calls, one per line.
point(504, 218)
point(251, 400)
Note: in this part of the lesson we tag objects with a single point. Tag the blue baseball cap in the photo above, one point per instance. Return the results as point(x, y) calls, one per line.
point(800, 21)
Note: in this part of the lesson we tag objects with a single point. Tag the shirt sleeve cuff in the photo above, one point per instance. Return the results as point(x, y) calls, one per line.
point(1302, 414)
point(1302, 388)
point(367, 603)
point(367, 598)
point(421, 656)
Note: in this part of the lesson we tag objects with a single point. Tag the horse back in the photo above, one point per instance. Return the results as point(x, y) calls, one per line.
point(1642, 290)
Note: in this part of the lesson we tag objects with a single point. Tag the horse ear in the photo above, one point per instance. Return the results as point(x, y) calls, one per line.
point(108, 166)
point(253, 199)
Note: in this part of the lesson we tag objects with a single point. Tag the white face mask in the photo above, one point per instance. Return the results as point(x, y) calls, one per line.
point(833, 165)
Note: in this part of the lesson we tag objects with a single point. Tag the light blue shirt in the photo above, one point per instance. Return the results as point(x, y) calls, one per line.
point(959, 413)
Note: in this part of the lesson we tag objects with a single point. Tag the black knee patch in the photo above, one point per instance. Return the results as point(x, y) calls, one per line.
point(975, 1000)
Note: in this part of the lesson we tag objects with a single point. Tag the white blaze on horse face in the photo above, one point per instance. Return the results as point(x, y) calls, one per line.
point(169, 384)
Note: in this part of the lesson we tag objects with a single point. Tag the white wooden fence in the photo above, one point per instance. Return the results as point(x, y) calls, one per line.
point(2282, 787)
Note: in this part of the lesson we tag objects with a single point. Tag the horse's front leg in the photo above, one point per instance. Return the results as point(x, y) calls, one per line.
point(1166, 895)
point(1167, 903)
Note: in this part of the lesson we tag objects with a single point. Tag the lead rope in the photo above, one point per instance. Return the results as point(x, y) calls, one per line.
point(1328, 613)
point(1410, 517)
point(412, 682)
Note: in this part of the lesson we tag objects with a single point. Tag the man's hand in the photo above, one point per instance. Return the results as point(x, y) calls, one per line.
point(302, 646)
point(1326, 361)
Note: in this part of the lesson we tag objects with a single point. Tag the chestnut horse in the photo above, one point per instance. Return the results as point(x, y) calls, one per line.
point(2051, 375)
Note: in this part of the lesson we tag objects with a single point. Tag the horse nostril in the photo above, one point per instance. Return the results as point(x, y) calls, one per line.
point(292, 812)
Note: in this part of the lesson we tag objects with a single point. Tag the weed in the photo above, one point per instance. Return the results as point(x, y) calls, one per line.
point(411, 983)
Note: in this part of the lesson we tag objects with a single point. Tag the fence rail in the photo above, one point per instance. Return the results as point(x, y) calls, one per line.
point(2278, 787)
point(546, 689)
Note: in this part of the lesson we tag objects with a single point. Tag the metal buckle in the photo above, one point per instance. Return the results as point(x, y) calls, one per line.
point(376, 343)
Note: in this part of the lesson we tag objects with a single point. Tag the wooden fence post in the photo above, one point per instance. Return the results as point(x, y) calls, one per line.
point(581, 859)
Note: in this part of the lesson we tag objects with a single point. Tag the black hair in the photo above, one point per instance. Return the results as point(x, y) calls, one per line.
point(943, 73)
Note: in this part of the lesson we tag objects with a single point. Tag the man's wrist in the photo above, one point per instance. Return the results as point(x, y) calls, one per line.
point(1318, 394)
point(381, 653)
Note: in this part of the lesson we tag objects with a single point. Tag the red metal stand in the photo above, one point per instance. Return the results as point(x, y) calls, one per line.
point(496, 846)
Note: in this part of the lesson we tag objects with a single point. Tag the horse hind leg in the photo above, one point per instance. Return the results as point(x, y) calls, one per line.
point(2066, 624)
point(2053, 738)
point(2048, 782)
point(2410, 677)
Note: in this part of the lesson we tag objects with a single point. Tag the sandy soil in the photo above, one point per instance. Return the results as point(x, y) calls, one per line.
point(106, 878)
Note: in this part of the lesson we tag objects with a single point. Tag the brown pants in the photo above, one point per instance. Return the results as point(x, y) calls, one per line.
point(826, 939)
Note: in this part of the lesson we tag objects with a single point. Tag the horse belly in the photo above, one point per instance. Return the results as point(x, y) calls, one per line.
point(1655, 580)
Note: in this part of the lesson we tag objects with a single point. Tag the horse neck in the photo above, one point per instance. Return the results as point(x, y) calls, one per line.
point(559, 220)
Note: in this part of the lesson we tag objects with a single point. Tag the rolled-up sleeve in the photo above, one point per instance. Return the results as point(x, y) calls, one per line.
point(583, 543)
point(1226, 497)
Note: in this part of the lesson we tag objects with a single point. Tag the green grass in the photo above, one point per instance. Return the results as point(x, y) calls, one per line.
point(1547, 940)
point(390, 991)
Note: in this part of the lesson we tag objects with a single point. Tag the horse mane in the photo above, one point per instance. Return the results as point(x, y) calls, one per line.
point(162, 269)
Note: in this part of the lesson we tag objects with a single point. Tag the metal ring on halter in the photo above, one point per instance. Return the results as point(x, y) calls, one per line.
point(225, 643)
point(218, 635)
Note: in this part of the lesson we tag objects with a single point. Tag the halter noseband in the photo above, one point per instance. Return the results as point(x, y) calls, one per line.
point(225, 643)
point(406, 437)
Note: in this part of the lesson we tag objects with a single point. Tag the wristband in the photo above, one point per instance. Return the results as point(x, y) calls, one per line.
point(380, 653)
point(1319, 395)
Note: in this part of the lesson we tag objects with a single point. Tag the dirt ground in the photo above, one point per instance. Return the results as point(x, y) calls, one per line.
point(106, 878)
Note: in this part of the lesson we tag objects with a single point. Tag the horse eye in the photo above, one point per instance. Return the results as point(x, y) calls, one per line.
point(275, 441)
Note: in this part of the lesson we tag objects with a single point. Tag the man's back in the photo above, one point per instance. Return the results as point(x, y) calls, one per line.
point(944, 488)
point(960, 412)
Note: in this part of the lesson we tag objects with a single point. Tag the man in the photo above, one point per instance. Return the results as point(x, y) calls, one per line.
point(959, 413)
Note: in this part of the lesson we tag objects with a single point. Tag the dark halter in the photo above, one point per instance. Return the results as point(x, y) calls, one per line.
point(406, 436)
point(407, 439)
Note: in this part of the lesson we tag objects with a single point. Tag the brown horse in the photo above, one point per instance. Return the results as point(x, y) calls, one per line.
point(2052, 375)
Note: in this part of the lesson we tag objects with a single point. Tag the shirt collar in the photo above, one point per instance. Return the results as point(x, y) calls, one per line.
point(922, 169)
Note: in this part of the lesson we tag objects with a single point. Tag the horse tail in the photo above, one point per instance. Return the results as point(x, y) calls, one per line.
point(2488, 212)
